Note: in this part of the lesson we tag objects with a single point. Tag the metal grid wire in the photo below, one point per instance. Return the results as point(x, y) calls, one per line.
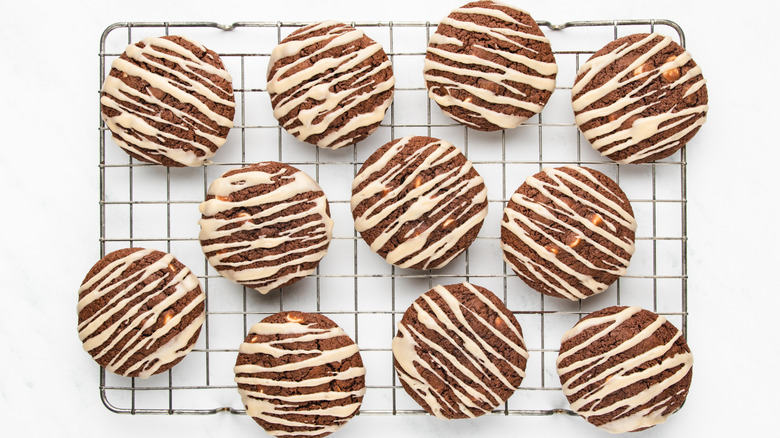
point(152, 206)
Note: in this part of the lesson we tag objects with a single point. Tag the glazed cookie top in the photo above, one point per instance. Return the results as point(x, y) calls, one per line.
point(330, 84)
point(489, 66)
point(568, 232)
point(139, 312)
point(625, 369)
point(418, 202)
point(640, 98)
point(168, 101)
point(300, 375)
point(459, 351)
point(265, 226)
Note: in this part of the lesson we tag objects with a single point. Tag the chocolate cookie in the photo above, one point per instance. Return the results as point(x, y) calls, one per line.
point(300, 375)
point(330, 84)
point(139, 312)
point(459, 351)
point(168, 101)
point(568, 232)
point(639, 99)
point(265, 226)
point(625, 369)
point(418, 202)
point(489, 66)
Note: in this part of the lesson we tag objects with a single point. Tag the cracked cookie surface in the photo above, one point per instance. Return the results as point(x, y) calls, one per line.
point(300, 375)
point(625, 369)
point(640, 98)
point(568, 232)
point(489, 66)
point(459, 352)
point(418, 202)
point(140, 312)
point(169, 101)
point(330, 84)
point(265, 226)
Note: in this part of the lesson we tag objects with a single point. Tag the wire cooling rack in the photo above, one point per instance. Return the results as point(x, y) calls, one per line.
point(152, 206)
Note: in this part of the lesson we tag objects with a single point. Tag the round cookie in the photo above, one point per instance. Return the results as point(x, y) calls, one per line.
point(625, 369)
point(330, 84)
point(568, 232)
point(265, 226)
point(418, 202)
point(168, 101)
point(489, 66)
point(300, 375)
point(139, 312)
point(459, 351)
point(639, 99)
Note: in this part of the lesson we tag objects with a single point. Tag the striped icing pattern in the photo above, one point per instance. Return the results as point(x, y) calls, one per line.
point(324, 88)
point(265, 226)
point(487, 70)
point(313, 406)
point(576, 215)
point(435, 194)
point(442, 343)
point(646, 138)
point(172, 120)
point(598, 368)
point(126, 313)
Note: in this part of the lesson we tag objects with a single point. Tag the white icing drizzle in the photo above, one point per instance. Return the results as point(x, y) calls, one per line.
point(135, 129)
point(614, 218)
point(115, 278)
point(275, 237)
point(444, 192)
point(463, 347)
point(319, 81)
point(608, 138)
point(622, 374)
point(281, 409)
point(505, 100)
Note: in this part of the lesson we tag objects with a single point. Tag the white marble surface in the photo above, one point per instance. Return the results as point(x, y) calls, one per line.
point(49, 177)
